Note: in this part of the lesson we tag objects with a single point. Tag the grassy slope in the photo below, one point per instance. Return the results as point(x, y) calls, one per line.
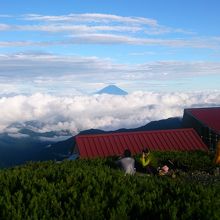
point(94, 189)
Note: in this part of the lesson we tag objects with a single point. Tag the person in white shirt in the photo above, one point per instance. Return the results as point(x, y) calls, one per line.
point(127, 163)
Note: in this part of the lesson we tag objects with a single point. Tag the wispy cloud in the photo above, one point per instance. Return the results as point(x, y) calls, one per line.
point(50, 72)
point(5, 27)
point(39, 63)
point(69, 28)
point(205, 43)
point(28, 43)
point(18, 135)
point(91, 17)
point(102, 29)
point(212, 43)
point(6, 16)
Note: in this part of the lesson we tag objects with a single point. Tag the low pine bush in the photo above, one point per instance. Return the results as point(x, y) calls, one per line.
point(92, 189)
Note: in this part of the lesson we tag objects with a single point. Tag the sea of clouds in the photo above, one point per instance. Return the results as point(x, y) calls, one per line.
point(107, 112)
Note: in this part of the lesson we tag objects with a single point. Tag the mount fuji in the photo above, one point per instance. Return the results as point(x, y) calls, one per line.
point(112, 90)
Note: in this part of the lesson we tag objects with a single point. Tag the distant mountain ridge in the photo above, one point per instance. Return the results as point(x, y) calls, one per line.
point(112, 90)
point(23, 142)
point(64, 147)
point(14, 151)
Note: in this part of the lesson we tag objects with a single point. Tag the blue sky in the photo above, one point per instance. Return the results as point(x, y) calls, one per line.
point(78, 47)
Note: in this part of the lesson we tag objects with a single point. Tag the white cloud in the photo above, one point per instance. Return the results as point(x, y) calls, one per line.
point(106, 112)
point(54, 139)
point(91, 17)
point(77, 28)
point(72, 28)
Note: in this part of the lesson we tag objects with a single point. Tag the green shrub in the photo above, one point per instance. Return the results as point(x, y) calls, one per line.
point(196, 160)
point(91, 189)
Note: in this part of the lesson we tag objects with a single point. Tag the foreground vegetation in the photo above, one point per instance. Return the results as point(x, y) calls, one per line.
point(95, 189)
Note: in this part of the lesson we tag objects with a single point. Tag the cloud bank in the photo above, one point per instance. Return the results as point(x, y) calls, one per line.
point(106, 112)
point(51, 73)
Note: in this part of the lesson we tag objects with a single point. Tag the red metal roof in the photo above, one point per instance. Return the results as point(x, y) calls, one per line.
point(103, 145)
point(208, 116)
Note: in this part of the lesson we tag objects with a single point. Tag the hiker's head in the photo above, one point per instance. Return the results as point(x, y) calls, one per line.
point(145, 151)
point(165, 168)
point(127, 153)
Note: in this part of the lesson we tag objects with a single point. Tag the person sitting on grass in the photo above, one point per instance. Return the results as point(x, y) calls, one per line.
point(127, 163)
point(147, 161)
